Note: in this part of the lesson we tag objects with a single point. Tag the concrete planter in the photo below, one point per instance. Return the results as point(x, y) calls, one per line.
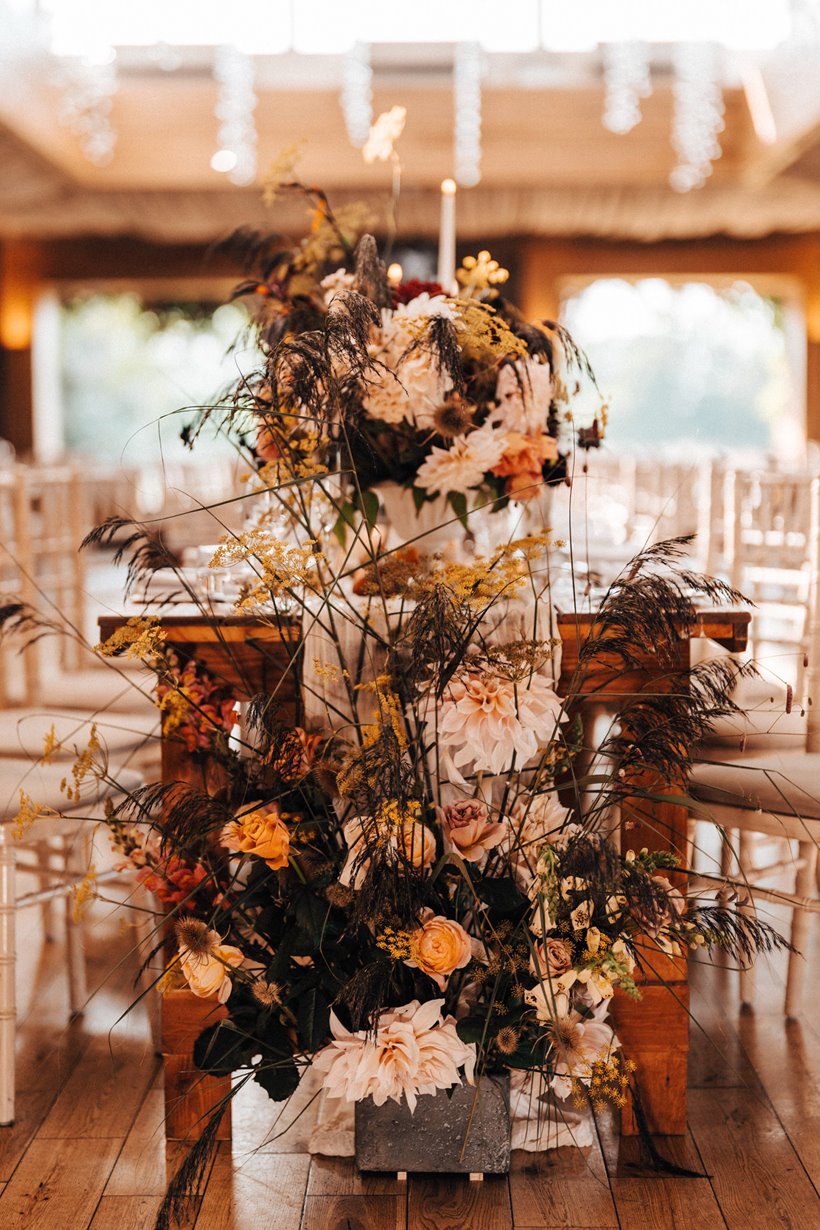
point(467, 1132)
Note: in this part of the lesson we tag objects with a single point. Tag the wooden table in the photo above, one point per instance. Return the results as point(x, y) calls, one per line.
point(252, 656)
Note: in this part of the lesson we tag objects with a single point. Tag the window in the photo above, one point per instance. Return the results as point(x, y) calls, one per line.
point(692, 365)
point(127, 372)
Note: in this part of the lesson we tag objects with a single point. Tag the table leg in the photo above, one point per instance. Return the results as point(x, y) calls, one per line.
point(190, 1095)
point(654, 1031)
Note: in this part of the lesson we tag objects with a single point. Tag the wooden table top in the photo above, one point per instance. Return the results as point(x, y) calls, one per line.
point(728, 626)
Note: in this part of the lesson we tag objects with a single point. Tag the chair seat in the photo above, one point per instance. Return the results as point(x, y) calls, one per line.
point(764, 729)
point(91, 690)
point(41, 782)
point(784, 783)
point(23, 732)
point(764, 724)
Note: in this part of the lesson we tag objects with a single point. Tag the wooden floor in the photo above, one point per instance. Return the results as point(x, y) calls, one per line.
point(87, 1151)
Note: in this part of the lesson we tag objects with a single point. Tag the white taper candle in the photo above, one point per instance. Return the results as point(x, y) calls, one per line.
point(447, 237)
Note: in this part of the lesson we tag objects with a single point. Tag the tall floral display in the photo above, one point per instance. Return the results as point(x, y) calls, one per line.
point(405, 879)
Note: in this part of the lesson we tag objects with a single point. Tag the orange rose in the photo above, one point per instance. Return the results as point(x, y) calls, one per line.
point(438, 947)
point(260, 832)
point(267, 445)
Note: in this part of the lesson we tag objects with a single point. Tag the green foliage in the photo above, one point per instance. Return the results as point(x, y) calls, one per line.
point(458, 503)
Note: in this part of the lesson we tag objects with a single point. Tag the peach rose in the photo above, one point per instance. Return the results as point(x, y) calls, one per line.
point(438, 947)
point(207, 973)
point(416, 843)
point(468, 829)
point(523, 461)
point(260, 832)
point(551, 957)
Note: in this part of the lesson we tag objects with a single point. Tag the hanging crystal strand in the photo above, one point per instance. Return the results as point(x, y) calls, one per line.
point(698, 113)
point(85, 107)
point(627, 80)
point(467, 70)
point(357, 94)
point(234, 74)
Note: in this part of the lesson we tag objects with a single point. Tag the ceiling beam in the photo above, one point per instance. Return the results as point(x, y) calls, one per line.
point(783, 99)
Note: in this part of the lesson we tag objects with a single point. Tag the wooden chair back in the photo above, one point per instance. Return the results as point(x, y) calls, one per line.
point(768, 523)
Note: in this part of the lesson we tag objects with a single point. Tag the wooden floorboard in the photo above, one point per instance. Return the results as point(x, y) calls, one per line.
point(126, 1213)
point(561, 1187)
point(757, 1176)
point(88, 1152)
point(437, 1202)
point(667, 1204)
point(263, 1192)
point(355, 1213)
point(58, 1184)
point(147, 1162)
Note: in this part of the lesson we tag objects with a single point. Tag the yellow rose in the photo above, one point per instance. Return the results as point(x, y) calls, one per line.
point(438, 947)
point(260, 832)
point(207, 973)
point(417, 843)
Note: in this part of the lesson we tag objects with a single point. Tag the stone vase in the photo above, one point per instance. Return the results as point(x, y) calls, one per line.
point(461, 1131)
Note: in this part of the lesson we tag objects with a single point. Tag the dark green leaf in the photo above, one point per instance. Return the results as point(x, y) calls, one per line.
point(313, 1019)
point(340, 531)
point(311, 913)
point(458, 503)
point(472, 1028)
point(502, 895)
point(221, 1048)
point(279, 1081)
point(370, 507)
point(419, 497)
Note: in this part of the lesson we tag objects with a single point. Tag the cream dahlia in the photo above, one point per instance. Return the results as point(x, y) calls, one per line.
point(406, 383)
point(487, 720)
point(413, 1051)
point(334, 282)
point(534, 819)
point(523, 392)
point(462, 465)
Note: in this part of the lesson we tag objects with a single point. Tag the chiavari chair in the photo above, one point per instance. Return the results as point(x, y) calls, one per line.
point(774, 789)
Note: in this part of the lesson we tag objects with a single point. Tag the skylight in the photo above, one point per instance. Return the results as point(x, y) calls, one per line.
point(268, 27)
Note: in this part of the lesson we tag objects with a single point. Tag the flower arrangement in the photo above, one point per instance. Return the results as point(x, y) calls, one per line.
point(408, 880)
point(418, 888)
point(452, 396)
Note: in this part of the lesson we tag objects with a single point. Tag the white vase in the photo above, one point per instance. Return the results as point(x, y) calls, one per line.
point(433, 528)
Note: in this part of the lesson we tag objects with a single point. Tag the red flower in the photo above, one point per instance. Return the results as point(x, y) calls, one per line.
point(414, 288)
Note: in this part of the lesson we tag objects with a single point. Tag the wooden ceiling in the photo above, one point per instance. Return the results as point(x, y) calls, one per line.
point(539, 143)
